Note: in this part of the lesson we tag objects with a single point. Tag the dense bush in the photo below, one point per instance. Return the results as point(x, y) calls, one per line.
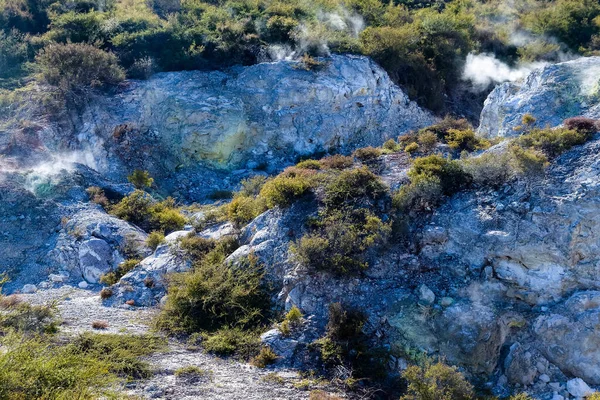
point(142, 210)
point(586, 126)
point(216, 294)
point(449, 172)
point(465, 140)
point(490, 169)
point(340, 241)
point(155, 239)
point(552, 142)
point(436, 381)
point(354, 187)
point(75, 67)
point(140, 179)
point(286, 187)
point(337, 161)
point(367, 153)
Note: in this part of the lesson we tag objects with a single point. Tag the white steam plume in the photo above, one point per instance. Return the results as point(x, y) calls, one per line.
point(484, 69)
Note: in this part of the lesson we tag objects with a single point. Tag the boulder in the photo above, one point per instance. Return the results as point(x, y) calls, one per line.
point(551, 94)
point(578, 388)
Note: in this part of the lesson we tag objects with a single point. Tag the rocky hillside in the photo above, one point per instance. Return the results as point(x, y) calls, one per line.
point(498, 278)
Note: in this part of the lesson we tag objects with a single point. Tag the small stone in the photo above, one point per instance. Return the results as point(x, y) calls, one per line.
point(44, 285)
point(578, 388)
point(56, 278)
point(555, 385)
point(29, 288)
point(557, 396)
point(544, 378)
point(426, 296)
point(446, 301)
point(83, 285)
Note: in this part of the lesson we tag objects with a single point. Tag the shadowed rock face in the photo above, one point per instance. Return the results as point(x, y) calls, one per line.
point(184, 127)
point(551, 94)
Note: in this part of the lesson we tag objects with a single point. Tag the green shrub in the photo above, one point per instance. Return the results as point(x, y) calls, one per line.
point(227, 341)
point(337, 161)
point(441, 129)
point(427, 141)
point(356, 187)
point(75, 67)
point(155, 239)
point(411, 148)
point(490, 169)
point(367, 153)
point(265, 357)
point(282, 190)
point(220, 195)
point(24, 318)
point(423, 193)
point(244, 209)
point(251, 187)
point(392, 146)
point(450, 173)
point(341, 241)
point(113, 277)
point(436, 381)
point(528, 162)
point(196, 247)
point(215, 294)
point(39, 368)
point(309, 164)
point(140, 179)
point(191, 371)
point(552, 142)
point(140, 209)
point(465, 140)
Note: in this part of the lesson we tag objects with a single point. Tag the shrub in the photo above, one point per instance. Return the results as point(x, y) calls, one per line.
point(24, 318)
point(341, 241)
point(357, 186)
point(155, 239)
point(265, 357)
point(106, 293)
point(97, 196)
point(367, 153)
point(113, 277)
point(75, 67)
point(441, 129)
point(244, 209)
point(100, 325)
point(423, 193)
point(552, 142)
point(227, 341)
point(391, 145)
point(140, 179)
point(427, 140)
point(436, 381)
point(285, 188)
point(251, 186)
point(586, 126)
point(215, 294)
point(221, 195)
point(196, 247)
point(140, 209)
point(309, 164)
point(465, 140)
point(528, 162)
point(450, 173)
point(337, 161)
point(191, 371)
point(490, 169)
point(411, 148)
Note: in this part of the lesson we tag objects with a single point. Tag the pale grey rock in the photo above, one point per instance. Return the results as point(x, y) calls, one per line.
point(83, 285)
point(29, 288)
point(426, 296)
point(578, 388)
point(544, 378)
point(551, 94)
point(570, 336)
point(264, 115)
point(92, 243)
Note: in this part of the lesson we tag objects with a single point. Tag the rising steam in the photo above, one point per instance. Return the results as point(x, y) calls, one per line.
point(485, 69)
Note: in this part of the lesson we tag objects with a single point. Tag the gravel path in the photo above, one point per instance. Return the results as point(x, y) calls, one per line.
point(223, 379)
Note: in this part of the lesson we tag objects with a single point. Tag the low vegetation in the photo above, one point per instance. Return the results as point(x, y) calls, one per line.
point(112, 277)
point(141, 209)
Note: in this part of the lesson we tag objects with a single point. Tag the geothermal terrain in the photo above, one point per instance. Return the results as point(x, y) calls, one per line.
point(302, 227)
